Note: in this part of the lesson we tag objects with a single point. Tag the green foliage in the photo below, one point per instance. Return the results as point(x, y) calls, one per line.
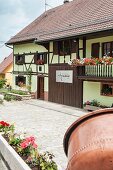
point(92, 103)
point(24, 152)
point(20, 92)
point(7, 97)
point(43, 161)
point(46, 162)
point(95, 103)
point(29, 77)
point(15, 141)
point(6, 91)
point(2, 83)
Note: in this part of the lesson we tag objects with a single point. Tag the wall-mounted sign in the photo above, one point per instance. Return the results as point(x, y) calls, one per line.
point(64, 76)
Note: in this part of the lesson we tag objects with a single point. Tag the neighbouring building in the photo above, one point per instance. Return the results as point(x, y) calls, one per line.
point(6, 68)
point(76, 29)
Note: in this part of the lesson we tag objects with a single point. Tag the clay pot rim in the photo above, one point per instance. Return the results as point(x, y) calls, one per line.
point(81, 120)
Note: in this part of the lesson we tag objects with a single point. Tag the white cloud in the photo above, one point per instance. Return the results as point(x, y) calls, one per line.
point(16, 14)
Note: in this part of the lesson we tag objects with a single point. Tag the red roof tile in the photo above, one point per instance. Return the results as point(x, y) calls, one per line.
point(6, 62)
point(70, 19)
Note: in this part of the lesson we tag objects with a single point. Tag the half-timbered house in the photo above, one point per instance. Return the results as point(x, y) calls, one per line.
point(76, 29)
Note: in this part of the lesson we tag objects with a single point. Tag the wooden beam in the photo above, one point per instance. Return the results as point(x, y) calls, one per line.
point(77, 46)
point(95, 78)
point(32, 73)
point(84, 47)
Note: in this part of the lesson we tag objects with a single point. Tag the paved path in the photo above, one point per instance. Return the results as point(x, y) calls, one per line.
point(47, 121)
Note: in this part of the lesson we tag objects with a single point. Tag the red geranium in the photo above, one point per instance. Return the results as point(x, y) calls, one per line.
point(2, 123)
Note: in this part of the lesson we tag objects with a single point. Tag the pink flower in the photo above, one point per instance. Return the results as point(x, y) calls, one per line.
point(30, 139)
point(24, 145)
point(27, 142)
point(88, 102)
point(34, 145)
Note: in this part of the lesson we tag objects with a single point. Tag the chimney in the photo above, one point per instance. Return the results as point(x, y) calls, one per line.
point(66, 1)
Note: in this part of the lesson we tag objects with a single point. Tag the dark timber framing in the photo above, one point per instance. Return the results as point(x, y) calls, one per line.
point(84, 47)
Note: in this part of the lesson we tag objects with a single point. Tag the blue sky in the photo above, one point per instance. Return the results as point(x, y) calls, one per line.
point(15, 15)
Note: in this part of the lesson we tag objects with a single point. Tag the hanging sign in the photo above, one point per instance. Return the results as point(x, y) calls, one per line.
point(64, 76)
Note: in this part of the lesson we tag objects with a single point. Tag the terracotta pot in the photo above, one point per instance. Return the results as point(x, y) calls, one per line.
point(88, 143)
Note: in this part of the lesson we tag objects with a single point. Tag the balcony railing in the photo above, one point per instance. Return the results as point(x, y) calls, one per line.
point(99, 70)
point(93, 71)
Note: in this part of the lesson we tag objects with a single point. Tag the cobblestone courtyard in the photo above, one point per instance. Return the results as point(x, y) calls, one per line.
point(46, 121)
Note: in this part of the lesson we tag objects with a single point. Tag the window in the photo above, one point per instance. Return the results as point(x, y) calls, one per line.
point(65, 47)
point(20, 59)
point(95, 50)
point(20, 80)
point(106, 89)
point(40, 58)
point(107, 49)
point(40, 68)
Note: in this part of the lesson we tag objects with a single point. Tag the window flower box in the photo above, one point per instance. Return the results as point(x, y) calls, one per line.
point(20, 153)
point(40, 62)
point(14, 161)
point(92, 61)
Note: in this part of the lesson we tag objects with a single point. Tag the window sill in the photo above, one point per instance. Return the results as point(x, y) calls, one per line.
point(107, 95)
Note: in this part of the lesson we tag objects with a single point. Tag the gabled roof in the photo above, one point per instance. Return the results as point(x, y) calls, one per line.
point(6, 62)
point(75, 18)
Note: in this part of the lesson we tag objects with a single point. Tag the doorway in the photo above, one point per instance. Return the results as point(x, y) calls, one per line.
point(40, 88)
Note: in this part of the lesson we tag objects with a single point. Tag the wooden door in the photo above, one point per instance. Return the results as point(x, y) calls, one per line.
point(40, 88)
point(70, 94)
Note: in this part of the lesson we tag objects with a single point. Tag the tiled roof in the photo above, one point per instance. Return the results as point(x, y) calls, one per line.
point(77, 17)
point(6, 62)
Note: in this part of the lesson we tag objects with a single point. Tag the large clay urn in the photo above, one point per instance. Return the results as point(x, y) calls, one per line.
point(88, 143)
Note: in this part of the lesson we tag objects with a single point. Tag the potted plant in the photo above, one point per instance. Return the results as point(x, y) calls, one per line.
point(92, 105)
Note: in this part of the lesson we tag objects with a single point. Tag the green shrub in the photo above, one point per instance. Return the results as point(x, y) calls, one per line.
point(7, 97)
point(10, 97)
point(20, 92)
point(2, 83)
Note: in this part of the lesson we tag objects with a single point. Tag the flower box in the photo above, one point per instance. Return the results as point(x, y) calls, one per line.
point(40, 62)
point(91, 108)
point(17, 153)
point(10, 157)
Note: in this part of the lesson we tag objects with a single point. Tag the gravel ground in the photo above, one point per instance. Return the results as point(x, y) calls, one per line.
point(46, 121)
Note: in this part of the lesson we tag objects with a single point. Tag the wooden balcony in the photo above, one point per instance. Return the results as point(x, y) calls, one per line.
point(98, 72)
